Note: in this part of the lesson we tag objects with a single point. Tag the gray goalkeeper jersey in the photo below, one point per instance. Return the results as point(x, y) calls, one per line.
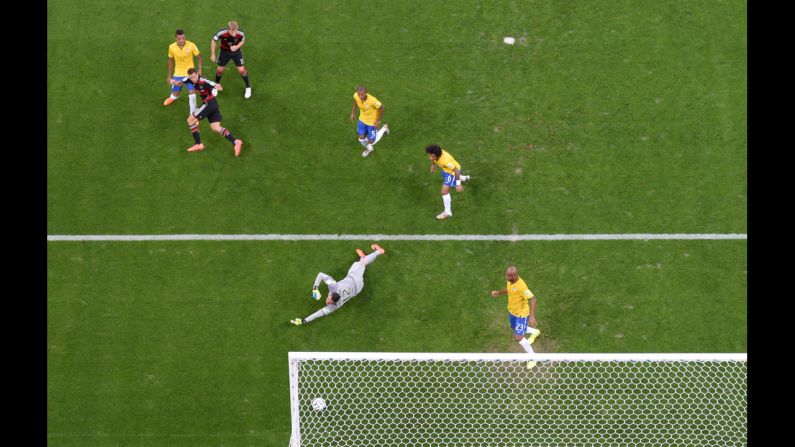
point(348, 287)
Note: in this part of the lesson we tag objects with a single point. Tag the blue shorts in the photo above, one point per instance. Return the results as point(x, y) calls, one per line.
point(518, 324)
point(448, 179)
point(364, 129)
point(177, 88)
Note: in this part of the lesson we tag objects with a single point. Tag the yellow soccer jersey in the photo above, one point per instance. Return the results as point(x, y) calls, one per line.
point(183, 57)
point(448, 163)
point(368, 110)
point(518, 296)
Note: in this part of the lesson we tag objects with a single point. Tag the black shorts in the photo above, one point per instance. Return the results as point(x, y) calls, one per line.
point(236, 56)
point(209, 110)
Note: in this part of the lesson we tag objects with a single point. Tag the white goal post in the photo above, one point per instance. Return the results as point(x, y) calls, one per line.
point(479, 400)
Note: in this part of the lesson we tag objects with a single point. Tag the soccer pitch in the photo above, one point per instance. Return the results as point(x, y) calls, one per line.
point(603, 118)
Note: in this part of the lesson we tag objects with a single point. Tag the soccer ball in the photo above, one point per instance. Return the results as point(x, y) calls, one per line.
point(319, 404)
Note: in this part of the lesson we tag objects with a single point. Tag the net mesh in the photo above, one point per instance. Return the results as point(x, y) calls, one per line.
point(502, 403)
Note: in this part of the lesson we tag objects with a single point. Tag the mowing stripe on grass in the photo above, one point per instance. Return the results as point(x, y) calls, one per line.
point(394, 237)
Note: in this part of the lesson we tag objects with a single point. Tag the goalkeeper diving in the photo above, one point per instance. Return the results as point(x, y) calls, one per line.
point(339, 292)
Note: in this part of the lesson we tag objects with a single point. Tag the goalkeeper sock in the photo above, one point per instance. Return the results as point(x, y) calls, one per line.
point(371, 257)
point(526, 346)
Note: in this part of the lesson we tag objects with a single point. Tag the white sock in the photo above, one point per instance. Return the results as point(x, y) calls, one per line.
point(379, 134)
point(363, 142)
point(526, 346)
point(174, 97)
point(447, 205)
point(370, 147)
point(531, 330)
point(192, 102)
point(464, 178)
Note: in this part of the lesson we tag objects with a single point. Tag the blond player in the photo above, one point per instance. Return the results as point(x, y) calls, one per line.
point(370, 112)
point(180, 60)
point(451, 175)
point(521, 315)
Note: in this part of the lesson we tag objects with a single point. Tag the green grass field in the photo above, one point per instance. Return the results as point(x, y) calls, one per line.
point(605, 117)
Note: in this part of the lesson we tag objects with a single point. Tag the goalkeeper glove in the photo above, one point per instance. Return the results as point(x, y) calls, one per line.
point(315, 293)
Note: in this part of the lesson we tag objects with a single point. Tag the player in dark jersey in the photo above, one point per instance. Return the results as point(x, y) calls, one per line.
point(232, 38)
point(209, 109)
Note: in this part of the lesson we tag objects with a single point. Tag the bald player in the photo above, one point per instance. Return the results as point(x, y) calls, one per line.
point(519, 311)
point(339, 292)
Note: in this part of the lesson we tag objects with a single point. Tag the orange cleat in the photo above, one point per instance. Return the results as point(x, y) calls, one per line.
point(378, 248)
point(196, 148)
point(168, 101)
point(360, 253)
point(238, 147)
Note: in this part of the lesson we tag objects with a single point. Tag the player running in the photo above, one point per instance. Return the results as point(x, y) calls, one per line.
point(451, 174)
point(180, 60)
point(209, 109)
point(339, 292)
point(370, 112)
point(521, 315)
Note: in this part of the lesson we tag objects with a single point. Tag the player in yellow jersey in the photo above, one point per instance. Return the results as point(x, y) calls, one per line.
point(521, 315)
point(451, 175)
point(369, 126)
point(180, 59)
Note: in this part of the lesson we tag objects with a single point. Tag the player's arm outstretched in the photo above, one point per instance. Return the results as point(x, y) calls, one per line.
point(326, 310)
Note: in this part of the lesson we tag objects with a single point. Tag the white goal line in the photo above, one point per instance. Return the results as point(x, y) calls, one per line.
point(506, 357)
point(397, 237)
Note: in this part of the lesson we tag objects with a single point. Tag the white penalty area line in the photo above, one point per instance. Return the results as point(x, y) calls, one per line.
point(395, 237)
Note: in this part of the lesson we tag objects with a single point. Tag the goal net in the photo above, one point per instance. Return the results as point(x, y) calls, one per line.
point(480, 400)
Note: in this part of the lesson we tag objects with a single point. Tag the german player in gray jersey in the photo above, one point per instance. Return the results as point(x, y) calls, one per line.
point(339, 292)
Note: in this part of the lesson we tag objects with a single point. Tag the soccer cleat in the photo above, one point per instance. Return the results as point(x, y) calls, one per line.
point(196, 148)
point(168, 101)
point(378, 248)
point(248, 93)
point(386, 128)
point(366, 152)
point(443, 216)
point(531, 364)
point(360, 253)
point(238, 147)
point(465, 178)
point(297, 321)
point(533, 337)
